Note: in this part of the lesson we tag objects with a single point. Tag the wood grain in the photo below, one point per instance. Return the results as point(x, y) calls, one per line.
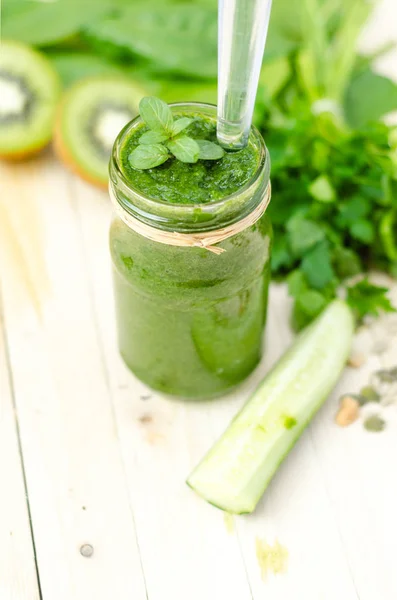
point(105, 459)
point(18, 580)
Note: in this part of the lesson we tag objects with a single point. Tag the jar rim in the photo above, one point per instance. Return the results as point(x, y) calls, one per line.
point(185, 209)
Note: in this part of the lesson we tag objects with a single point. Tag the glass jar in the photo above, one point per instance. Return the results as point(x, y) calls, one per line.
point(190, 322)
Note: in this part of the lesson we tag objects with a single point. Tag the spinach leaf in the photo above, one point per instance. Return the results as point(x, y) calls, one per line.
point(73, 66)
point(181, 39)
point(368, 97)
point(45, 23)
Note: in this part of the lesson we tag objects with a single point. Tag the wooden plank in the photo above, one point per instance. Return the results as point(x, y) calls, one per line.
point(295, 511)
point(18, 579)
point(186, 549)
point(361, 478)
point(74, 470)
point(184, 432)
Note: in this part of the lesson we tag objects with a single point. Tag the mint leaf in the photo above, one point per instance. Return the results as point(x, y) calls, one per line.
point(303, 235)
point(363, 231)
point(147, 156)
point(368, 299)
point(184, 149)
point(181, 124)
point(156, 114)
point(153, 137)
point(209, 150)
point(322, 190)
point(316, 265)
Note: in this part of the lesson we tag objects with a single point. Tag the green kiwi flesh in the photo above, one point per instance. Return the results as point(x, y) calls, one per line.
point(93, 112)
point(30, 89)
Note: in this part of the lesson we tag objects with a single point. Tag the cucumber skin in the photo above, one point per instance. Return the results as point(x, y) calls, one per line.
point(217, 478)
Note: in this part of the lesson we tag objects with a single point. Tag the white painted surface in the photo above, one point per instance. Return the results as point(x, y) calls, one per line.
point(97, 475)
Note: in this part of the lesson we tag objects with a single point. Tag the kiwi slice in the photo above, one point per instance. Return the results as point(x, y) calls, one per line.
point(93, 112)
point(30, 88)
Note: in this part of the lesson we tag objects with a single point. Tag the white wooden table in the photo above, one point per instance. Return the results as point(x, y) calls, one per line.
point(93, 504)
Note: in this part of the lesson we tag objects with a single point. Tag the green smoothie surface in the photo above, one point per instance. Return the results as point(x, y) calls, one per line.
point(205, 181)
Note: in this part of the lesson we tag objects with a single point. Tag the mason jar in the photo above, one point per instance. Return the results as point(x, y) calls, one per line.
point(191, 310)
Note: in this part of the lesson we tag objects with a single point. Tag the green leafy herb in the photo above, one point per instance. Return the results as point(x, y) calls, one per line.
point(184, 148)
point(45, 23)
point(363, 231)
point(153, 137)
point(303, 235)
point(346, 262)
point(209, 150)
point(311, 302)
point(368, 97)
point(181, 38)
point(157, 115)
point(73, 66)
point(181, 124)
point(368, 299)
point(317, 267)
point(148, 156)
point(322, 190)
point(165, 136)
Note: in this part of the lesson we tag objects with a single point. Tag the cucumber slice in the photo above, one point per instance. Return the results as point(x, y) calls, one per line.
point(236, 471)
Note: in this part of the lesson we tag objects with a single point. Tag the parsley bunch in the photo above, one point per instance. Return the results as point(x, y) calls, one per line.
point(334, 207)
point(166, 137)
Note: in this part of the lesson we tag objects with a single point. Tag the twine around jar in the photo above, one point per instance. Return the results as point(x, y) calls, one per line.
point(205, 239)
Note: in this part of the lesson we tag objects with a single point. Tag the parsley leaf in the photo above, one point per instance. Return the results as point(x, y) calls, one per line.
point(303, 235)
point(368, 299)
point(322, 190)
point(316, 265)
point(363, 231)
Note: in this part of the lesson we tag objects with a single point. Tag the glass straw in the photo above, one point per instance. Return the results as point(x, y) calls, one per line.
point(242, 30)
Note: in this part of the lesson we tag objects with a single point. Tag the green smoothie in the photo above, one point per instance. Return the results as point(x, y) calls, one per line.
point(202, 182)
point(190, 322)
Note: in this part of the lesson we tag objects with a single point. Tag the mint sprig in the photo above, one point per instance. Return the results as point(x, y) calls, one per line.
point(166, 137)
